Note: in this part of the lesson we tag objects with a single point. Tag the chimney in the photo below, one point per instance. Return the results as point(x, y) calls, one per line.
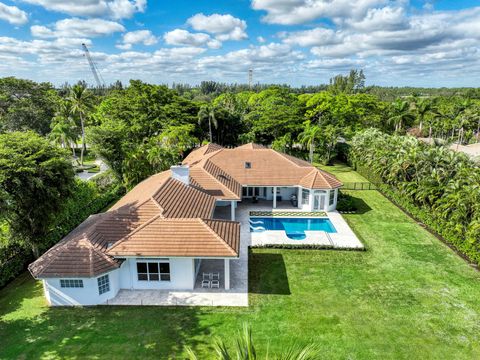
point(181, 173)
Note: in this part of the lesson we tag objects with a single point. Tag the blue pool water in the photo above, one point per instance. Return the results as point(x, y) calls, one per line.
point(293, 227)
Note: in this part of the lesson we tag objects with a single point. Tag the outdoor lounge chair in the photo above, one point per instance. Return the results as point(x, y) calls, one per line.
point(215, 276)
point(205, 283)
point(215, 284)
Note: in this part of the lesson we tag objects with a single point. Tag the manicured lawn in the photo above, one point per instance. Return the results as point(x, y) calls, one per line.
point(343, 173)
point(407, 297)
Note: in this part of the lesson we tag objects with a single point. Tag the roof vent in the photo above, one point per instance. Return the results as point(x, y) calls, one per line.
point(181, 173)
point(248, 165)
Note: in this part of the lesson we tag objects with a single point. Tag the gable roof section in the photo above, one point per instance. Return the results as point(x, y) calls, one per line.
point(181, 237)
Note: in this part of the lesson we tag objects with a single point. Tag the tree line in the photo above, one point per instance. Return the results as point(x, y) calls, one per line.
point(140, 129)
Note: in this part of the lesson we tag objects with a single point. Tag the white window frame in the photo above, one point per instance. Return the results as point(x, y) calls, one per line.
point(71, 283)
point(103, 283)
point(331, 199)
point(305, 199)
point(158, 262)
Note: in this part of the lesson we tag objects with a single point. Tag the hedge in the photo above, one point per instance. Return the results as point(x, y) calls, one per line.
point(89, 198)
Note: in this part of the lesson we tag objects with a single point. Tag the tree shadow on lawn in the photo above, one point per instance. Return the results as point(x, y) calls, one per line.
point(360, 204)
point(94, 332)
point(267, 274)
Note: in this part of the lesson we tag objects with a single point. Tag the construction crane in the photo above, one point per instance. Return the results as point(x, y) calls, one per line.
point(93, 67)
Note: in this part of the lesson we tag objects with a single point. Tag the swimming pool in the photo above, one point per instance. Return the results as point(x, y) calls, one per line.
point(293, 227)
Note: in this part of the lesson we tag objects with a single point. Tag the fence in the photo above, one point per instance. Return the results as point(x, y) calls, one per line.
point(359, 186)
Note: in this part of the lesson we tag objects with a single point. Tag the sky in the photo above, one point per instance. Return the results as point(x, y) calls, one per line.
point(298, 42)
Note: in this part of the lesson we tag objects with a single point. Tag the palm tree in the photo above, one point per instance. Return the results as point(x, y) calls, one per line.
point(422, 108)
point(64, 130)
point(309, 136)
point(245, 350)
point(80, 100)
point(402, 114)
point(207, 113)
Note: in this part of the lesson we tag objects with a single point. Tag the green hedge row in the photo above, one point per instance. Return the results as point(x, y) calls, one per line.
point(435, 185)
point(89, 198)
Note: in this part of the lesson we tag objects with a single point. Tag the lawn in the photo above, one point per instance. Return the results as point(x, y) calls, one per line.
point(407, 297)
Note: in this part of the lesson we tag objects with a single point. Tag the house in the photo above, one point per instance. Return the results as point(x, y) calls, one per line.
point(160, 233)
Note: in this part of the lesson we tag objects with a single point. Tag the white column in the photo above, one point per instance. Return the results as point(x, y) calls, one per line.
point(227, 274)
point(274, 197)
point(299, 198)
point(232, 210)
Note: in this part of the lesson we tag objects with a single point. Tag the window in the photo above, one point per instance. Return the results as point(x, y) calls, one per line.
point(250, 191)
point(248, 165)
point(153, 271)
point(103, 284)
point(305, 196)
point(71, 283)
point(332, 197)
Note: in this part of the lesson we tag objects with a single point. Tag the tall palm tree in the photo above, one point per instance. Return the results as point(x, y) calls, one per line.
point(245, 350)
point(80, 99)
point(422, 108)
point(401, 114)
point(309, 136)
point(207, 114)
point(64, 130)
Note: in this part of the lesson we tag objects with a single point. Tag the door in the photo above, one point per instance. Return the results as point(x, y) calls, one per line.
point(318, 202)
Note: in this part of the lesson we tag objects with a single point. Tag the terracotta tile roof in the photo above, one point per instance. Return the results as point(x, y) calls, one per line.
point(181, 237)
point(319, 179)
point(143, 191)
point(75, 255)
point(251, 146)
point(203, 179)
point(266, 167)
point(180, 201)
point(201, 153)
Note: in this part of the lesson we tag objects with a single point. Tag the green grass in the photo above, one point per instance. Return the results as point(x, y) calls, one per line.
point(407, 297)
point(343, 172)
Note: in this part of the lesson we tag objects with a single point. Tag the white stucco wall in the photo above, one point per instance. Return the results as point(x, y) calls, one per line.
point(182, 275)
point(327, 206)
point(88, 295)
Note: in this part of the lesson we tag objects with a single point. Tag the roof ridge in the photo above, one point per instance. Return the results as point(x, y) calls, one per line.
point(134, 231)
point(218, 181)
point(285, 157)
point(217, 235)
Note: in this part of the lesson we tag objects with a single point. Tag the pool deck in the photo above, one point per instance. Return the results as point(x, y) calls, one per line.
point(344, 238)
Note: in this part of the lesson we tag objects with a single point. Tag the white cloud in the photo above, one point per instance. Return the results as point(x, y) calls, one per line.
point(290, 12)
point(317, 36)
point(184, 38)
point(261, 39)
point(13, 14)
point(116, 9)
point(130, 38)
point(75, 27)
point(225, 27)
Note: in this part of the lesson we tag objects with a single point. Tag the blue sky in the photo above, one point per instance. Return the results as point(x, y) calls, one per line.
point(299, 42)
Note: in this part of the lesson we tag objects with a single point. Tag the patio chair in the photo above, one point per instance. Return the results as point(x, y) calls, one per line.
point(206, 276)
point(205, 283)
point(215, 284)
point(215, 276)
